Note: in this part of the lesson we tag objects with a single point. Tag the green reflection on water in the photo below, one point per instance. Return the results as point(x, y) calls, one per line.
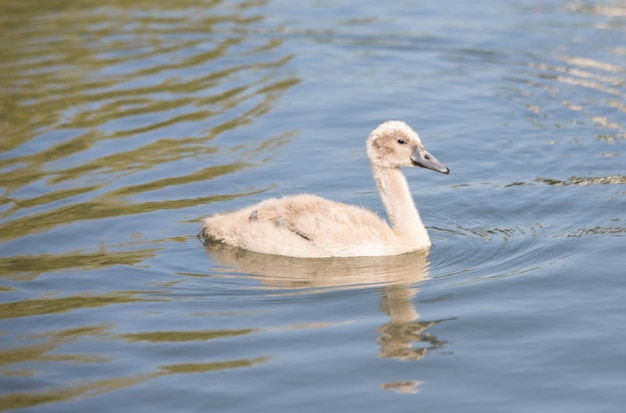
point(54, 340)
point(99, 209)
point(34, 265)
point(30, 399)
point(44, 36)
point(178, 336)
point(206, 367)
point(26, 308)
point(91, 73)
point(100, 104)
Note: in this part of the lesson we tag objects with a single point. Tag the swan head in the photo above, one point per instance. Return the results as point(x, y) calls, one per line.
point(395, 144)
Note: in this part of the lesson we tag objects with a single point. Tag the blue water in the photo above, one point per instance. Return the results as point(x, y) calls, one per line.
point(123, 124)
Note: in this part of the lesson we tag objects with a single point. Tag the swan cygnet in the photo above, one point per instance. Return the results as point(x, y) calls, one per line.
point(308, 226)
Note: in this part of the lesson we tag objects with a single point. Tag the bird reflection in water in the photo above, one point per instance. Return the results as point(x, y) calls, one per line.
point(403, 337)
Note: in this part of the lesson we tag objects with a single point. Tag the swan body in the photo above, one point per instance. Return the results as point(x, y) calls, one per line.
point(309, 226)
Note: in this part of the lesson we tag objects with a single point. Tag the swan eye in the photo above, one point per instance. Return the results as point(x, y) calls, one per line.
point(401, 141)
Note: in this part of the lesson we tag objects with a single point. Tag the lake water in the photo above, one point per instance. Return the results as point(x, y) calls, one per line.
point(123, 123)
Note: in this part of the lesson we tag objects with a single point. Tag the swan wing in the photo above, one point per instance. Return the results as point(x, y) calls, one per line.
point(323, 222)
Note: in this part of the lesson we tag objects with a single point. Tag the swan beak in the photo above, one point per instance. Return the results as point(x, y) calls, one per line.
point(421, 157)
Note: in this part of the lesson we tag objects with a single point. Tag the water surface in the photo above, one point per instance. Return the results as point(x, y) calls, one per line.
point(123, 124)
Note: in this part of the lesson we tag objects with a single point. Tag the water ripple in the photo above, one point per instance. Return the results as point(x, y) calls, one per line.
point(131, 94)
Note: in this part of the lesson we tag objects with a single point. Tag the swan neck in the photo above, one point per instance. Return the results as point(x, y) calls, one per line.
point(396, 196)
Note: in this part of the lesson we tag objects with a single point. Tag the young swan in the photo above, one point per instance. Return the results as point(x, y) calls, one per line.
point(308, 226)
